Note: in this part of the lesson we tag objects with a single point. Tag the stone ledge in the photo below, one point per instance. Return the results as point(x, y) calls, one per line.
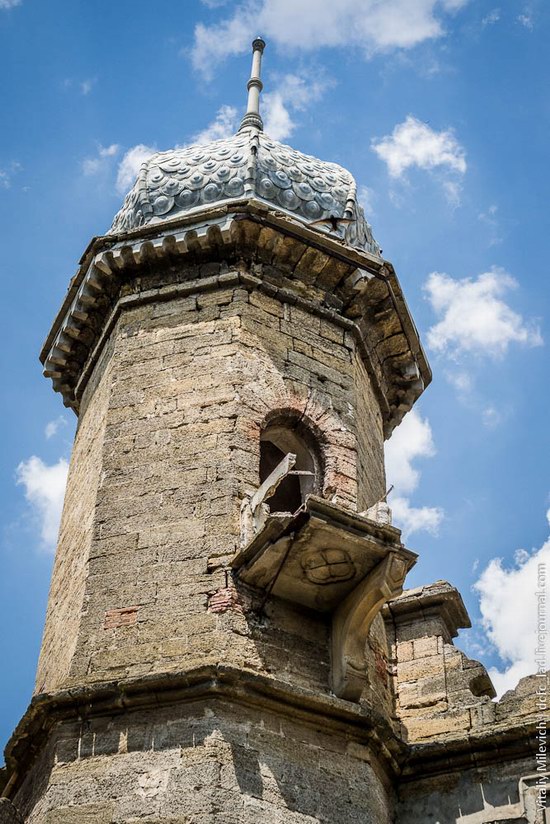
point(439, 600)
point(495, 746)
point(242, 687)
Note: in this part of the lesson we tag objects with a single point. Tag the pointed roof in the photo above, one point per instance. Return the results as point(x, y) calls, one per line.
point(249, 164)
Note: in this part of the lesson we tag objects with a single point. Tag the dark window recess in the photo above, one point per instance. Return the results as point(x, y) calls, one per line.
point(276, 443)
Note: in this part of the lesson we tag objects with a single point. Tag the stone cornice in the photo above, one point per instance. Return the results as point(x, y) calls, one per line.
point(440, 600)
point(497, 745)
point(360, 724)
point(274, 253)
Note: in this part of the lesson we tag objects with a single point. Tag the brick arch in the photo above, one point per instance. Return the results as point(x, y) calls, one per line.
point(325, 430)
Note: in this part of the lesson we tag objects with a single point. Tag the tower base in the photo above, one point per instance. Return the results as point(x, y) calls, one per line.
point(212, 745)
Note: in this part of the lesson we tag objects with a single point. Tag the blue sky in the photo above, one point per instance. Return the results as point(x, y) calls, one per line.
point(441, 110)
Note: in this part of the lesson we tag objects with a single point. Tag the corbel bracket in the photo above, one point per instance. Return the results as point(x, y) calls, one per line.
point(351, 622)
point(334, 561)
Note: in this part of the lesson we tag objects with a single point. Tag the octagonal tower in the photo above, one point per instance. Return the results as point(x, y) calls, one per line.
point(236, 350)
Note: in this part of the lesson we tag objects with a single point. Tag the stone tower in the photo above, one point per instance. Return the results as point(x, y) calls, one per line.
point(216, 649)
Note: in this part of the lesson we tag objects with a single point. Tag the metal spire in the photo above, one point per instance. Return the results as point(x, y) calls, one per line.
point(254, 86)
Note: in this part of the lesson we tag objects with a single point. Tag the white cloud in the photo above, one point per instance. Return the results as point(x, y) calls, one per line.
point(462, 382)
point(366, 197)
point(9, 4)
point(305, 25)
point(453, 191)
point(214, 43)
point(492, 414)
point(52, 427)
point(301, 90)
point(278, 122)
point(95, 165)
point(413, 143)
point(492, 17)
point(526, 20)
point(509, 610)
point(224, 125)
point(490, 219)
point(415, 518)
point(86, 86)
point(291, 94)
point(7, 173)
point(83, 86)
point(412, 440)
point(491, 417)
point(130, 165)
point(474, 317)
point(45, 491)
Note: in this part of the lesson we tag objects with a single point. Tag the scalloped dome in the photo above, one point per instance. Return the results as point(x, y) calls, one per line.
point(249, 164)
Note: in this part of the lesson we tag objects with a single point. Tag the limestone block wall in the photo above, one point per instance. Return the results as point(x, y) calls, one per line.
point(503, 792)
point(472, 760)
point(439, 690)
point(489, 773)
point(76, 534)
point(174, 426)
point(204, 762)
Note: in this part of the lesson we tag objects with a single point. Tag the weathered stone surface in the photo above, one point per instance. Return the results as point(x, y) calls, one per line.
point(202, 762)
point(265, 252)
point(167, 448)
point(164, 491)
point(471, 760)
point(439, 690)
point(474, 796)
point(8, 813)
point(67, 590)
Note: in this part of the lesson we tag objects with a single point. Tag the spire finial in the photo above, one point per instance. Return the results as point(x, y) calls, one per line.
point(254, 86)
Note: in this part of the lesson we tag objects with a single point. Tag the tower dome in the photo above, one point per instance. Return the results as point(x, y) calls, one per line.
point(247, 165)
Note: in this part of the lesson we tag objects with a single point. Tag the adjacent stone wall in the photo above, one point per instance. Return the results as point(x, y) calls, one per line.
point(489, 774)
point(502, 792)
point(438, 689)
point(8, 813)
point(472, 759)
point(204, 763)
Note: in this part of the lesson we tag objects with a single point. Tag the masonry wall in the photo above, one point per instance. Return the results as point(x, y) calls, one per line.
point(175, 433)
point(439, 691)
point(67, 590)
point(204, 763)
point(488, 771)
point(472, 760)
point(503, 792)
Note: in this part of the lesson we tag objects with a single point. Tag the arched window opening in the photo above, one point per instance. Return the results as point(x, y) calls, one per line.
point(303, 479)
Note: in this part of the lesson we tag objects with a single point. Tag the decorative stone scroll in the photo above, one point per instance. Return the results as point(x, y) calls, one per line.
point(352, 620)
